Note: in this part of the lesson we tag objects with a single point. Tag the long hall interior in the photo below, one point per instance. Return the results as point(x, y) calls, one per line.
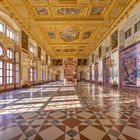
point(69, 69)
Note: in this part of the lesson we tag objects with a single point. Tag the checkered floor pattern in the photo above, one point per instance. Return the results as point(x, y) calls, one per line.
point(56, 111)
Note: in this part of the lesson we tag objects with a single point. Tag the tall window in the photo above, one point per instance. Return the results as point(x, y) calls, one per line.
point(35, 75)
point(43, 75)
point(17, 67)
point(128, 33)
point(9, 72)
point(2, 27)
point(31, 74)
point(1, 72)
point(137, 26)
point(10, 33)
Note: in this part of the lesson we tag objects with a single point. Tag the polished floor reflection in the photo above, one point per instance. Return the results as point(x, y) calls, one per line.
point(56, 111)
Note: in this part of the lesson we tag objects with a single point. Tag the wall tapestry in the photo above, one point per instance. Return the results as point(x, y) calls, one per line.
point(130, 67)
point(106, 70)
point(96, 72)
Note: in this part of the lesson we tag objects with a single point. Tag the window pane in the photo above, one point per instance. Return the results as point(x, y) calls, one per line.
point(11, 73)
point(17, 67)
point(10, 54)
point(0, 80)
point(7, 32)
point(11, 34)
point(1, 27)
point(11, 66)
point(1, 64)
point(8, 73)
point(1, 73)
point(31, 70)
point(1, 51)
point(11, 80)
point(7, 80)
point(7, 65)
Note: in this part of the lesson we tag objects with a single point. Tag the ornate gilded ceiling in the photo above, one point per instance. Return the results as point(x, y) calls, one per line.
point(67, 28)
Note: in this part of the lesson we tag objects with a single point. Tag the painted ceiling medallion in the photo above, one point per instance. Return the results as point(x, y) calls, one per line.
point(58, 50)
point(97, 10)
point(68, 1)
point(69, 34)
point(81, 50)
point(52, 35)
point(86, 35)
point(41, 10)
point(68, 11)
point(69, 50)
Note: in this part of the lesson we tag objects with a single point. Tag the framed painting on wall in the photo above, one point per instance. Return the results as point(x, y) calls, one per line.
point(24, 41)
point(114, 40)
point(93, 58)
point(57, 62)
point(39, 52)
point(100, 51)
point(82, 61)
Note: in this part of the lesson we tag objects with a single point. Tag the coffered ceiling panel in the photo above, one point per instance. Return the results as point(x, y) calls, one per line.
point(68, 27)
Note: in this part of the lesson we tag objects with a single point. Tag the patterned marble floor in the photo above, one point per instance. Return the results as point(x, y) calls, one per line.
point(69, 112)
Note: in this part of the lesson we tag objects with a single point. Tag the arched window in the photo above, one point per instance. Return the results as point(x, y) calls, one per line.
point(10, 54)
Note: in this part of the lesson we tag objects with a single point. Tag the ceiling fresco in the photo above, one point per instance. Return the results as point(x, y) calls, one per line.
point(97, 10)
point(68, 11)
point(41, 10)
point(69, 34)
point(68, 28)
